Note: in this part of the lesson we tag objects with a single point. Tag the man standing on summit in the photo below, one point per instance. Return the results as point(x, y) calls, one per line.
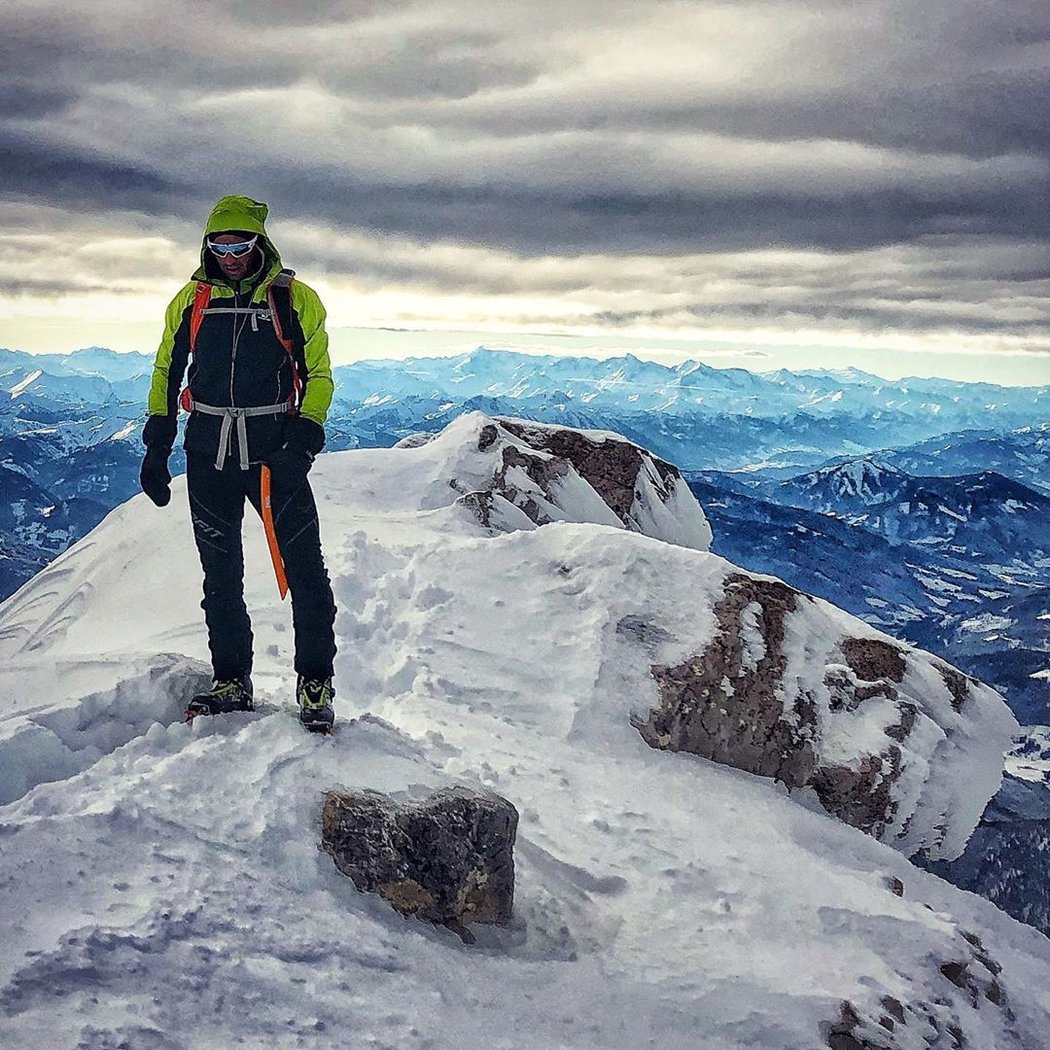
point(258, 389)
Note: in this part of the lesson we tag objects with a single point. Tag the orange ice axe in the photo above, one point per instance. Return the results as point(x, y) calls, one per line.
point(271, 533)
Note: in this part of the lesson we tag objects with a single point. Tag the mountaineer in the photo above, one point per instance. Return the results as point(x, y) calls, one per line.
point(251, 342)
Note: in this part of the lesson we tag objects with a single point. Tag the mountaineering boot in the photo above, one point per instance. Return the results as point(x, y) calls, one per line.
point(225, 695)
point(315, 696)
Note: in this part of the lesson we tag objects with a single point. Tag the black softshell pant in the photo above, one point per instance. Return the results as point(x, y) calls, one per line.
point(217, 510)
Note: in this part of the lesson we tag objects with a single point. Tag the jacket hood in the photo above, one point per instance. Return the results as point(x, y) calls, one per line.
point(237, 213)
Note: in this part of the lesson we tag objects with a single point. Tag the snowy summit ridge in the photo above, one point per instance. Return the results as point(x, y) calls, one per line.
point(166, 882)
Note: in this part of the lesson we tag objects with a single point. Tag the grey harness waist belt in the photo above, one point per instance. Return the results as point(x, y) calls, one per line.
point(229, 414)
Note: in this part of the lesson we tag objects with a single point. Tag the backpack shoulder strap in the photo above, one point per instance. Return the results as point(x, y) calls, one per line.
point(201, 298)
point(279, 296)
point(200, 304)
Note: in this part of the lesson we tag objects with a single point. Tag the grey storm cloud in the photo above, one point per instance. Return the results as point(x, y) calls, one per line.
point(899, 316)
point(57, 171)
point(57, 289)
point(584, 128)
point(566, 221)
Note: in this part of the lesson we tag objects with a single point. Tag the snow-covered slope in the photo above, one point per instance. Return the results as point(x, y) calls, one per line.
point(164, 881)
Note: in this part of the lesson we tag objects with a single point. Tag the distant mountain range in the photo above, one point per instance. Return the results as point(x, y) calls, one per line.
point(982, 515)
point(694, 415)
point(623, 383)
point(1023, 454)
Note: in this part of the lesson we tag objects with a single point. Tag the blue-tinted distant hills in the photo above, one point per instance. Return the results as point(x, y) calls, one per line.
point(697, 416)
point(36, 526)
point(1023, 454)
point(627, 382)
point(91, 361)
point(74, 400)
point(976, 512)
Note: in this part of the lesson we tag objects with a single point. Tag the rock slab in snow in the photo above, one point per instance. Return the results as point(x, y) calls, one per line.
point(892, 740)
point(448, 859)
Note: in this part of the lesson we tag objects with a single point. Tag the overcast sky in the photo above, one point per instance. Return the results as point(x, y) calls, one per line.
point(866, 175)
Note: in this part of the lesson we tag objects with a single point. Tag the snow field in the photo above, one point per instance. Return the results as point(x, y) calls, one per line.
point(165, 880)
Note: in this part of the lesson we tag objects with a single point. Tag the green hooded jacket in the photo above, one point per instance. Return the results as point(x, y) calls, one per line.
point(234, 363)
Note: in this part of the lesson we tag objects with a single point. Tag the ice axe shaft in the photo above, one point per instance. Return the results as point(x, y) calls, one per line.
point(271, 532)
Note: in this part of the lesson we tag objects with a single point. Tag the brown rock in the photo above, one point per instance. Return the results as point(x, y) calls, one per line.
point(734, 703)
point(610, 467)
point(872, 659)
point(958, 685)
point(448, 859)
point(723, 704)
point(940, 1017)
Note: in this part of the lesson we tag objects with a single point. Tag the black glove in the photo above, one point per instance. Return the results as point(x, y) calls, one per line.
point(154, 477)
point(303, 439)
point(303, 435)
point(160, 431)
point(289, 467)
point(158, 435)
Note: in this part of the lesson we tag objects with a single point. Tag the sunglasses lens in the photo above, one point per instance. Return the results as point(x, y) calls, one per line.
point(232, 250)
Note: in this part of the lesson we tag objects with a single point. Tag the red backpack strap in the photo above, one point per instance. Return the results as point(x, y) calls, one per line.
point(201, 299)
point(279, 298)
point(200, 304)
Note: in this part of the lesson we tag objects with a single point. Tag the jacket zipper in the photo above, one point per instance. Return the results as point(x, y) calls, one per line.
point(233, 355)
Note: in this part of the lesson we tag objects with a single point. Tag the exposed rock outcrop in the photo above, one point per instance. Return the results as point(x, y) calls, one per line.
point(892, 740)
point(448, 859)
point(522, 474)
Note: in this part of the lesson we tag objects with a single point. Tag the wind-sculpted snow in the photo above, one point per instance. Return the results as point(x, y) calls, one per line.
point(169, 890)
point(64, 733)
point(1006, 859)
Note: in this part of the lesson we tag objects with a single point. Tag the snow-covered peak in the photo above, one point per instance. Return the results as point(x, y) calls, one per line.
point(862, 481)
point(20, 387)
point(516, 473)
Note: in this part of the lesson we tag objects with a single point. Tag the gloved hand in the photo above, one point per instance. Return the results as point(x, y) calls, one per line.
point(160, 430)
point(289, 467)
point(303, 439)
point(304, 435)
point(158, 435)
point(155, 477)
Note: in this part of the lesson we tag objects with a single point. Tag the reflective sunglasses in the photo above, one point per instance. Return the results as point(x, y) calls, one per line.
point(232, 251)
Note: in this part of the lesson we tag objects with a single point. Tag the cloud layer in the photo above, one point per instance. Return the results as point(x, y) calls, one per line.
point(867, 166)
